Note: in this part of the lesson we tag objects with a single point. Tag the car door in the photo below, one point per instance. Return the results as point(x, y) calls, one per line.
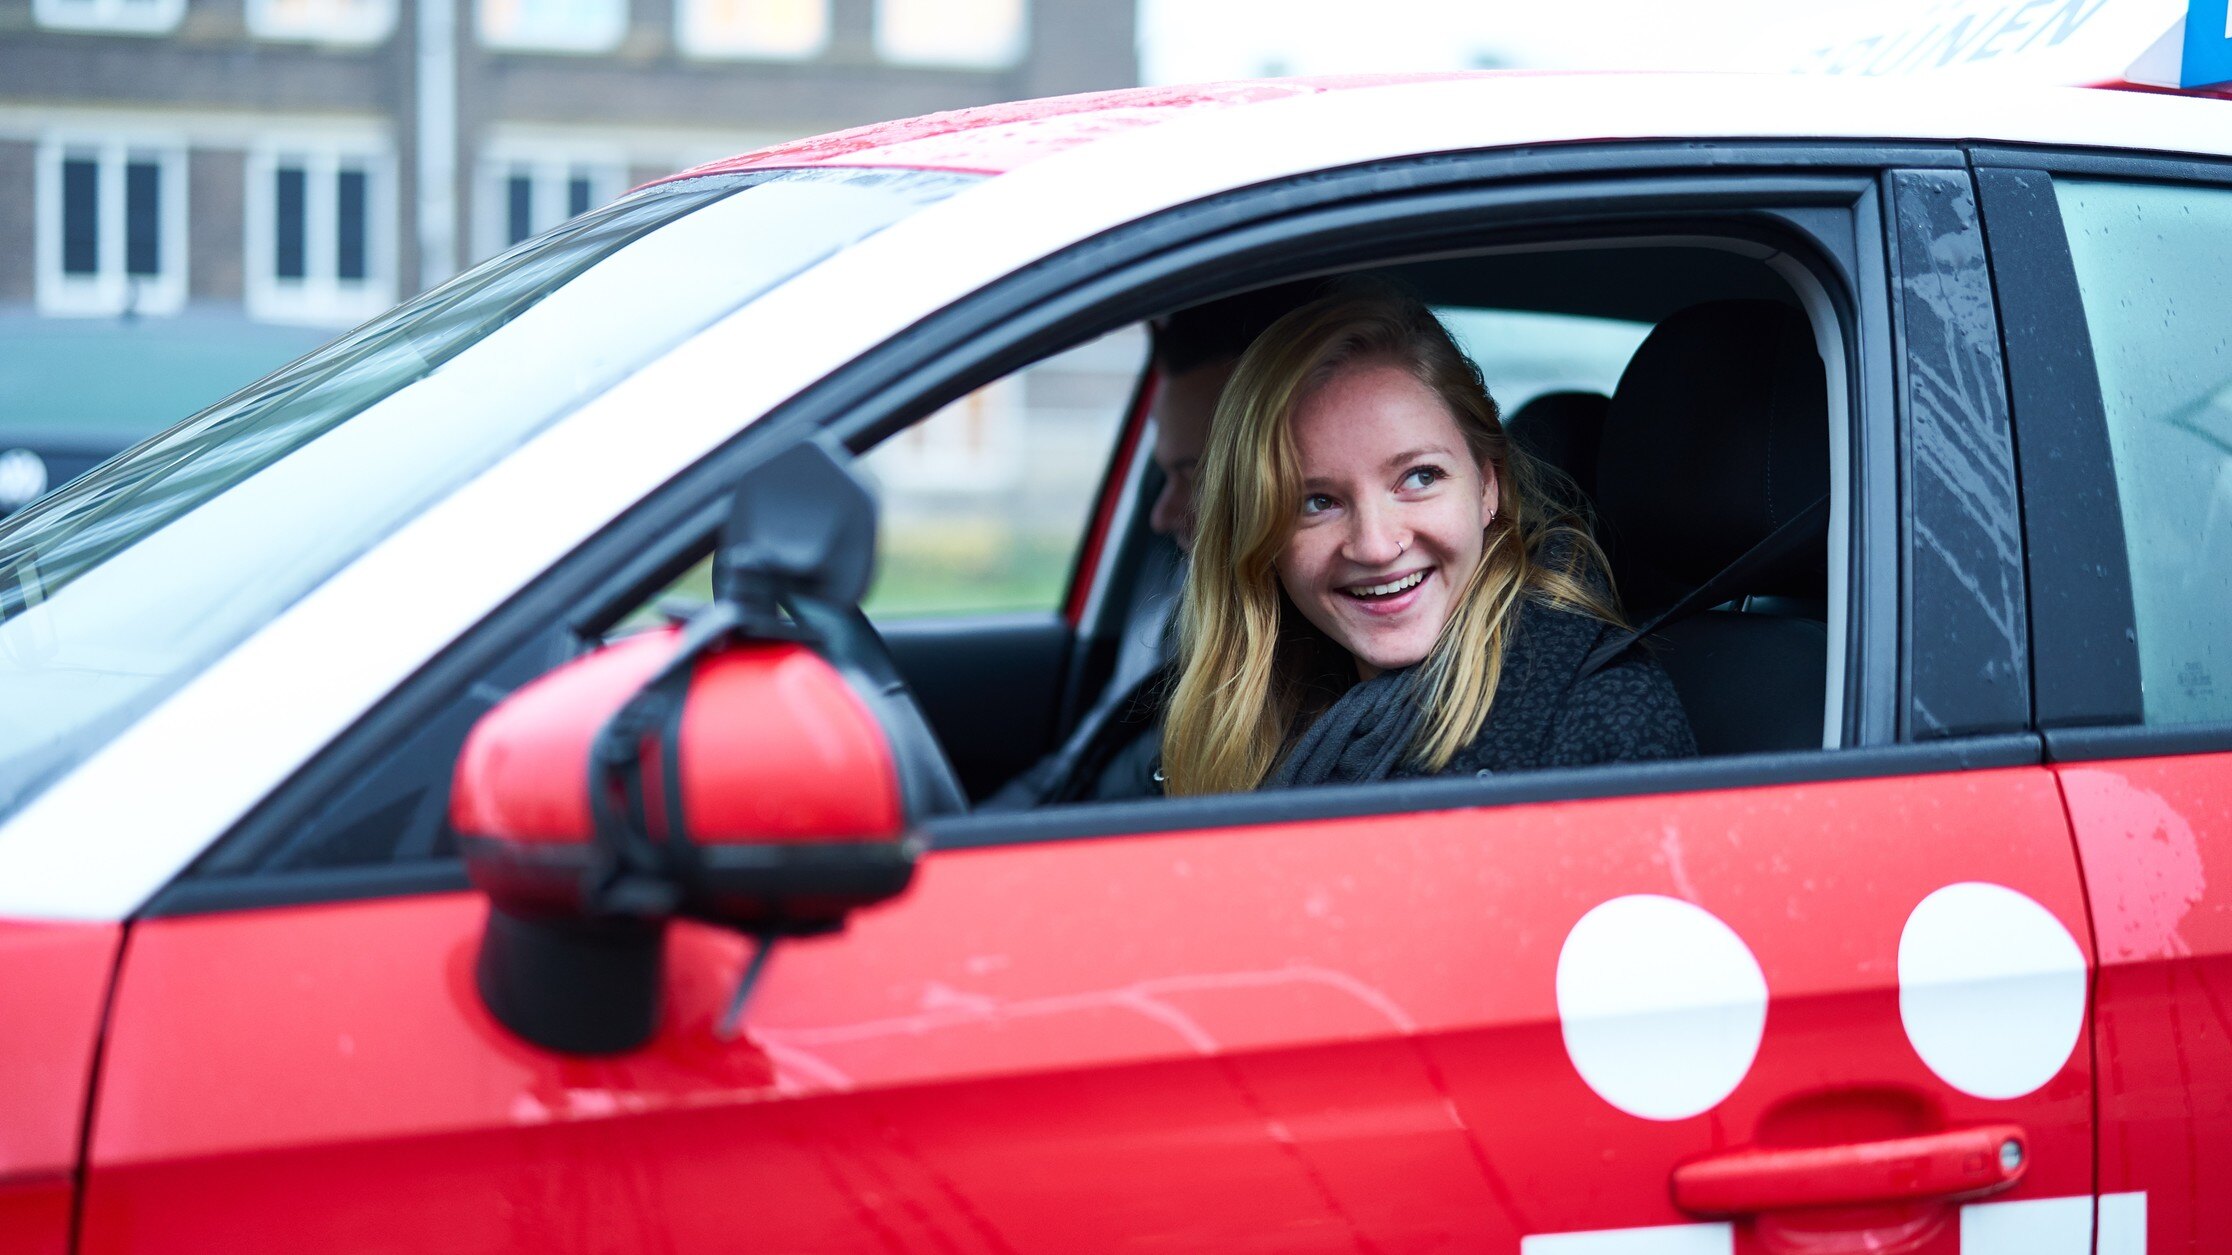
point(57, 975)
point(1838, 991)
point(1455, 1026)
point(2124, 259)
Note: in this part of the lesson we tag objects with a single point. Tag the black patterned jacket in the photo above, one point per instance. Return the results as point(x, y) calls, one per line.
point(1547, 714)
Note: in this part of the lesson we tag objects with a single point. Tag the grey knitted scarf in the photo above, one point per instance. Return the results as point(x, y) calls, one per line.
point(1363, 736)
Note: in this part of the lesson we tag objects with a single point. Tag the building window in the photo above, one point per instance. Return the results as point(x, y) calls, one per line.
point(322, 21)
point(786, 29)
point(524, 195)
point(111, 232)
point(977, 34)
point(320, 235)
point(137, 17)
point(553, 25)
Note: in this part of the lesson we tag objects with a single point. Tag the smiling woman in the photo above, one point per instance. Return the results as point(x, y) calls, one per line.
point(1394, 516)
point(1381, 584)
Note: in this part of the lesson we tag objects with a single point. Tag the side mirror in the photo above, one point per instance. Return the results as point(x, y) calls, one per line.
point(789, 810)
point(721, 771)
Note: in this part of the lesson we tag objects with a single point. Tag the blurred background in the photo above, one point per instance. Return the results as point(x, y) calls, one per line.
point(194, 192)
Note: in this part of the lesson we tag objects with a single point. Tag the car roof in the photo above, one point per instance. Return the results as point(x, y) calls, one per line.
point(996, 138)
point(999, 138)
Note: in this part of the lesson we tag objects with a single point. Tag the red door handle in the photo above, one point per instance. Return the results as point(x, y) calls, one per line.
point(1962, 1163)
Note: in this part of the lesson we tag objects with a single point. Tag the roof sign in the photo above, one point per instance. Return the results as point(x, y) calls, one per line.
point(2162, 43)
point(2195, 54)
point(2208, 45)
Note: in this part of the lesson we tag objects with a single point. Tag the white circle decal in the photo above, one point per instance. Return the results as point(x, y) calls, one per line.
point(1662, 1005)
point(1991, 989)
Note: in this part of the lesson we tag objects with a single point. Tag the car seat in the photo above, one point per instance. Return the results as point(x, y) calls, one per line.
point(1564, 431)
point(1717, 437)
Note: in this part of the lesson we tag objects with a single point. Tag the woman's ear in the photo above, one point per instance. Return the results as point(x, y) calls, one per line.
point(1491, 491)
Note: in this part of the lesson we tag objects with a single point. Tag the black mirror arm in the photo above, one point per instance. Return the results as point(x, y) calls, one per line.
point(753, 583)
point(629, 873)
point(732, 1020)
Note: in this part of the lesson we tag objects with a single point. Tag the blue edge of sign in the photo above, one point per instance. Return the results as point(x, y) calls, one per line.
point(2208, 45)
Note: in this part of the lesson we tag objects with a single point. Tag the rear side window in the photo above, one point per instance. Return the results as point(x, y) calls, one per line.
point(2154, 272)
point(1524, 354)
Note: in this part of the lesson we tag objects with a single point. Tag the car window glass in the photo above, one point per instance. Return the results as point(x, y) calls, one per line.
point(981, 507)
point(2154, 272)
point(984, 506)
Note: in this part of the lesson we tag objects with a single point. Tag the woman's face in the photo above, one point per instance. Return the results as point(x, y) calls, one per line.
point(1392, 516)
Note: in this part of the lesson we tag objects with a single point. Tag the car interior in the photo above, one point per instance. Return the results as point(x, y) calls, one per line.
point(1712, 435)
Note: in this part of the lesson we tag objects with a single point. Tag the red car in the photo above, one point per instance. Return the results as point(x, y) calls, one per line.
point(1924, 952)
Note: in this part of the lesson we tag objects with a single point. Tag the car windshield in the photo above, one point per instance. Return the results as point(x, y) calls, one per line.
point(122, 586)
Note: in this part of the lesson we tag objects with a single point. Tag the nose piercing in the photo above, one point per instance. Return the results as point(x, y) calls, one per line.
point(1401, 547)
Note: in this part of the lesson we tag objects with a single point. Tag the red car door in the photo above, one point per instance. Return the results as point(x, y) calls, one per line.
point(57, 978)
point(2149, 828)
point(1455, 1028)
point(2136, 692)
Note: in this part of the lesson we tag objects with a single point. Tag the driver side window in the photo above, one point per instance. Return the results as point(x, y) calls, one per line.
point(984, 506)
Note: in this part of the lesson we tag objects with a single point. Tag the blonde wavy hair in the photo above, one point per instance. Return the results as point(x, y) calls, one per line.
point(1250, 667)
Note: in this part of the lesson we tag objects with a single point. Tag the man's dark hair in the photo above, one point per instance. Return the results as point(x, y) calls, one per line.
point(1221, 330)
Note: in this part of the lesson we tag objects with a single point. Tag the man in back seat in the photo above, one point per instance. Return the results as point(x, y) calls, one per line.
point(1111, 753)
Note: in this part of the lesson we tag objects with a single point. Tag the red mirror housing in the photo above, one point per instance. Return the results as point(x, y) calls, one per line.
point(784, 782)
point(775, 751)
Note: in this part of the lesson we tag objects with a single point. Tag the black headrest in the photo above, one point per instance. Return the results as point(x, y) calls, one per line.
point(1718, 434)
point(1563, 429)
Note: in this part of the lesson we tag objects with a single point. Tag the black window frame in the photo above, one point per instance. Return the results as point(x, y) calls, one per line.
point(1964, 622)
point(1827, 197)
point(2085, 675)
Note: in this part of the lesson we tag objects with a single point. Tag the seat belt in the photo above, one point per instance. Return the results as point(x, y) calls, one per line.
point(1803, 527)
point(1064, 775)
